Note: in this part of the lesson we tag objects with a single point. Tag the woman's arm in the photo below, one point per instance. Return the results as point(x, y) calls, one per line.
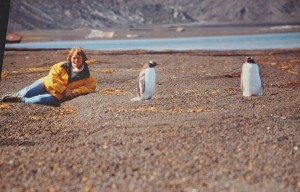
point(88, 86)
point(56, 78)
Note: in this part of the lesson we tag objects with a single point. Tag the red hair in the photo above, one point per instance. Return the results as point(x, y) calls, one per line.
point(77, 51)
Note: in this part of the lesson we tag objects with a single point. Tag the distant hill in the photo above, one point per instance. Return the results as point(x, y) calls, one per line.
point(70, 14)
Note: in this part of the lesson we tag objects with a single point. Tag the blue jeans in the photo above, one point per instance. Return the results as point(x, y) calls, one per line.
point(37, 94)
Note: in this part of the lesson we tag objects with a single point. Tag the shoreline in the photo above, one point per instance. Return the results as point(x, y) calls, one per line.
point(153, 32)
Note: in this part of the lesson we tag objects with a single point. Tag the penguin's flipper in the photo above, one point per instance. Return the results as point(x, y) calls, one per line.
point(262, 83)
point(242, 87)
point(141, 87)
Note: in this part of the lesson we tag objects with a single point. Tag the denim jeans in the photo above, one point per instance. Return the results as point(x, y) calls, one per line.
point(37, 94)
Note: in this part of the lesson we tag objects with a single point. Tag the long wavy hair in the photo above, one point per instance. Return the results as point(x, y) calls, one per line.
point(77, 51)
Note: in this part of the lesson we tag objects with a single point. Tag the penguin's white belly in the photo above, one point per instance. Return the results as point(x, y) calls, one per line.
point(150, 80)
point(251, 80)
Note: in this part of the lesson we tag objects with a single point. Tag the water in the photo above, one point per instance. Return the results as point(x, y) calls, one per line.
point(236, 42)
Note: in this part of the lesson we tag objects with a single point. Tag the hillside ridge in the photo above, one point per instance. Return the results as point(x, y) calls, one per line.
point(64, 14)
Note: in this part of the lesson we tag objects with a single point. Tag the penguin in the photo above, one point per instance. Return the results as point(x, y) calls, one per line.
point(146, 80)
point(251, 80)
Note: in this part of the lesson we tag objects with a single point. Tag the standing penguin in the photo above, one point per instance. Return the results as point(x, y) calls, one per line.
point(251, 81)
point(147, 80)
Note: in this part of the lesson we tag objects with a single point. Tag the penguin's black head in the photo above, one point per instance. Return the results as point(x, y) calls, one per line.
point(152, 64)
point(250, 60)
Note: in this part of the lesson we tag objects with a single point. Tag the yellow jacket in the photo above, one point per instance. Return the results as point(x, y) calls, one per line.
point(59, 79)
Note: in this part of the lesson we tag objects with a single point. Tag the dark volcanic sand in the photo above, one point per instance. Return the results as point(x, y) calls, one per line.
point(197, 134)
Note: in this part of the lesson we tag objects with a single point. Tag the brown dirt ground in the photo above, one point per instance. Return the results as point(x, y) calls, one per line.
point(197, 134)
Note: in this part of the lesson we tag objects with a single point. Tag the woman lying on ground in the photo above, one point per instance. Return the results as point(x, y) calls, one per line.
point(66, 80)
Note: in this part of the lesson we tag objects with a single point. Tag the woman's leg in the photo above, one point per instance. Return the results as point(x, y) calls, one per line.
point(34, 89)
point(44, 99)
point(37, 94)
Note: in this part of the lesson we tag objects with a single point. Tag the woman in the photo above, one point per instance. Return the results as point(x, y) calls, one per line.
point(65, 81)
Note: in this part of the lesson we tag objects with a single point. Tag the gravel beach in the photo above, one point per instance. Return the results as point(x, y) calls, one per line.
point(197, 134)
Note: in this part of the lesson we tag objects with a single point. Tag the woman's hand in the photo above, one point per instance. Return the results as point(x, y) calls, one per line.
point(74, 93)
point(69, 93)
